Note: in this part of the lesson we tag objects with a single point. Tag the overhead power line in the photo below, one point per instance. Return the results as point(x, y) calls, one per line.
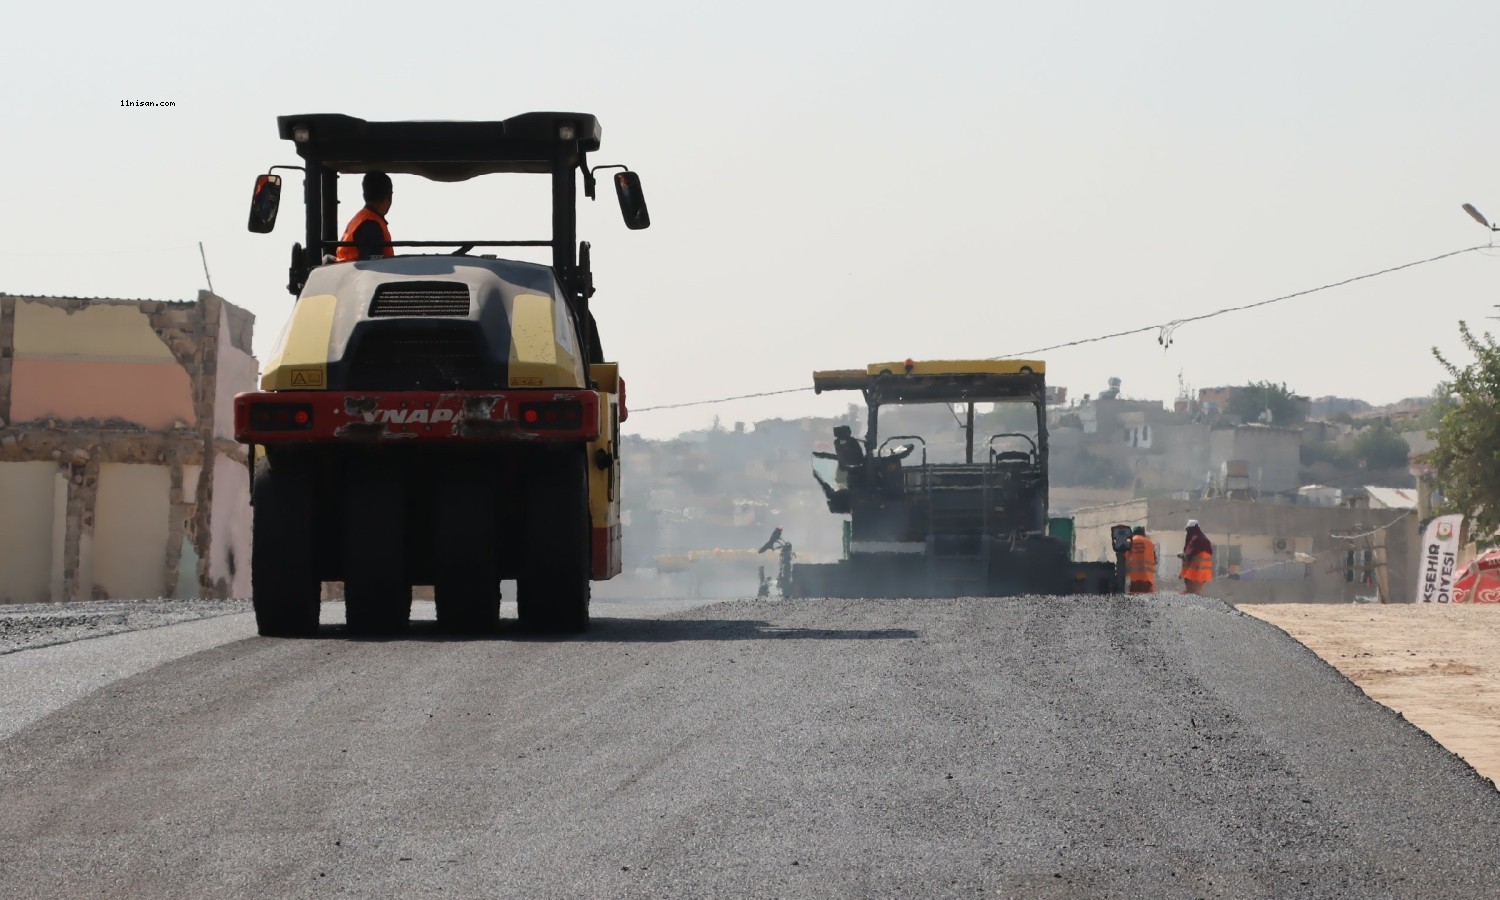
point(1165, 329)
point(1373, 531)
point(795, 390)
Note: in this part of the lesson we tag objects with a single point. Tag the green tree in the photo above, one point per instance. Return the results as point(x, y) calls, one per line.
point(1326, 452)
point(1440, 401)
point(1250, 402)
point(1097, 471)
point(1381, 447)
point(1467, 456)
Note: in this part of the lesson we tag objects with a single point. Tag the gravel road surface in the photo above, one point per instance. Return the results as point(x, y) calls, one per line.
point(30, 625)
point(1030, 747)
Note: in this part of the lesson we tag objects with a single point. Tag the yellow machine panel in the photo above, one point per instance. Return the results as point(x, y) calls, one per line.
point(300, 360)
point(542, 351)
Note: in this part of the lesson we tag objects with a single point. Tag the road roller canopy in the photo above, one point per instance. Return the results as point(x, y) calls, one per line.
point(441, 150)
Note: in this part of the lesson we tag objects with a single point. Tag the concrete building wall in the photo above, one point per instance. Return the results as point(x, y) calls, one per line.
point(1158, 449)
point(123, 407)
point(1269, 552)
point(181, 536)
point(27, 504)
point(1274, 455)
point(95, 361)
point(237, 369)
point(1221, 449)
point(60, 490)
point(1091, 524)
point(130, 525)
point(1185, 456)
point(229, 560)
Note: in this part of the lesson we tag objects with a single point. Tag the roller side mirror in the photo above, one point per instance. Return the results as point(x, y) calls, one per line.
point(632, 201)
point(264, 203)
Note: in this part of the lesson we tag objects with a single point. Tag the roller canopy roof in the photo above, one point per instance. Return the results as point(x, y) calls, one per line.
point(441, 150)
point(940, 381)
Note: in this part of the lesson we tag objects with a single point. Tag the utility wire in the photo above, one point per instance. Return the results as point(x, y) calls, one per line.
point(1165, 329)
point(1365, 534)
point(795, 390)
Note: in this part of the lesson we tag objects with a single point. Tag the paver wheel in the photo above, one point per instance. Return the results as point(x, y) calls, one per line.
point(465, 556)
point(552, 585)
point(284, 587)
point(377, 594)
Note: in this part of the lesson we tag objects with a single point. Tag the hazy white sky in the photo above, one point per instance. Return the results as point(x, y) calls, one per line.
point(831, 184)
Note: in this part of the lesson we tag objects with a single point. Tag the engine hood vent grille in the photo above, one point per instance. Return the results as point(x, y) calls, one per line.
point(421, 298)
point(431, 356)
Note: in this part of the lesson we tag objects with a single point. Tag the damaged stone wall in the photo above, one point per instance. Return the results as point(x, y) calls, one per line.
point(129, 402)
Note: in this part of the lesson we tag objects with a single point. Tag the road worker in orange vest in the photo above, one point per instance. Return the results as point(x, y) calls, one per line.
point(1197, 559)
point(1140, 563)
point(368, 230)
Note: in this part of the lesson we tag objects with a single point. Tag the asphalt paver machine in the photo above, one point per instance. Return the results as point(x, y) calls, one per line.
point(973, 522)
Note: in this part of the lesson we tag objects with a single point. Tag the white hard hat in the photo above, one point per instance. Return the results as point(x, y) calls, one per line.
point(1192, 523)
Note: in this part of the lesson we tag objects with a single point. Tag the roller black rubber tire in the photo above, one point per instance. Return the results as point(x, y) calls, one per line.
point(377, 594)
point(553, 582)
point(465, 553)
point(283, 585)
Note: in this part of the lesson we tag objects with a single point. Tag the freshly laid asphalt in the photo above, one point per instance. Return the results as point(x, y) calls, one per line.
point(1026, 747)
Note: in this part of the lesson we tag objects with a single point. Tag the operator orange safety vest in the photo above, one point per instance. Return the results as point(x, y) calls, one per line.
point(350, 254)
point(1140, 562)
point(1198, 567)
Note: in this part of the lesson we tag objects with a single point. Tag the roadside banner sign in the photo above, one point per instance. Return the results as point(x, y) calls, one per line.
point(1439, 563)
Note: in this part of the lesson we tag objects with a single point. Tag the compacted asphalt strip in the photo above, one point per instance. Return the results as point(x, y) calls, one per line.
point(60, 661)
point(75, 649)
point(1028, 747)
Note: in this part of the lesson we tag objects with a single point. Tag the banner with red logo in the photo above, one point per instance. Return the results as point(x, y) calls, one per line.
point(1438, 566)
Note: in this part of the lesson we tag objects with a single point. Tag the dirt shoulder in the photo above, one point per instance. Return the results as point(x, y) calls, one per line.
point(1438, 665)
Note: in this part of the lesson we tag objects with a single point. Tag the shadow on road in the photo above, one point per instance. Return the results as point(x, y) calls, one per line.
point(605, 630)
point(652, 630)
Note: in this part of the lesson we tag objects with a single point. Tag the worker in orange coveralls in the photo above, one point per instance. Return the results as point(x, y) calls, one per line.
point(1197, 559)
point(1140, 563)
